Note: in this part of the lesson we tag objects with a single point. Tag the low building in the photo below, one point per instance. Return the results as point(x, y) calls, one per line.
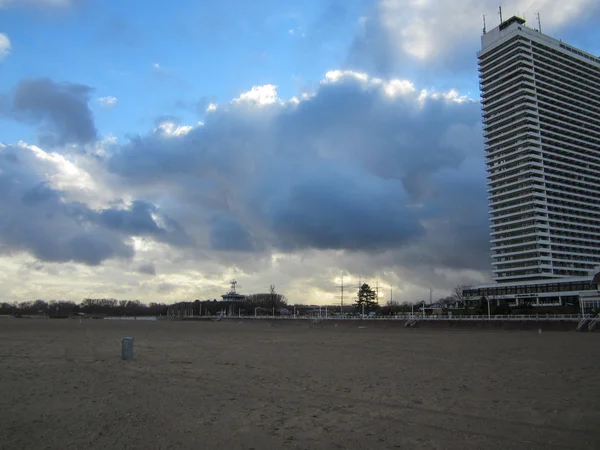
point(558, 292)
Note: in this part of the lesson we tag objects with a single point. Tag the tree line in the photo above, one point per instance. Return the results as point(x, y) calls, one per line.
point(114, 307)
point(91, 306)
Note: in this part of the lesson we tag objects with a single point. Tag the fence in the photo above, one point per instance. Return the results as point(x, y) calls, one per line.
point(529, 317)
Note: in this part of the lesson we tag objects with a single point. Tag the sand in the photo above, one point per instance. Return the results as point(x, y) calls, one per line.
point(228, 385)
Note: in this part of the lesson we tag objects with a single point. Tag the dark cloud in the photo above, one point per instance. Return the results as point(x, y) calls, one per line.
point(370, 175)
point(60, 109)
point(140, 219)
point(228, 234)
point(147, 269)
point(362, 166)
point(37, 218)
point(343, 210)
point(135, 220)
point(40, 193)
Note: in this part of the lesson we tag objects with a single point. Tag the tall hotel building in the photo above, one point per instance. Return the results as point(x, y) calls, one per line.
point(541, 123)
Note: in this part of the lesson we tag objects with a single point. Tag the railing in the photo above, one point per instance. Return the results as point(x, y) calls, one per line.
point(584, 320)
point(417, 317)
point(592, 325)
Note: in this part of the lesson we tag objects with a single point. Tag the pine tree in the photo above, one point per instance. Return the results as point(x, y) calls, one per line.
point(367, 297)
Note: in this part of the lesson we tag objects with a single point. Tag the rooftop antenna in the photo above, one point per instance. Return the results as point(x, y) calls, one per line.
point(500, 11)
point(539, 21)
point(233, 283)
point(484, 28)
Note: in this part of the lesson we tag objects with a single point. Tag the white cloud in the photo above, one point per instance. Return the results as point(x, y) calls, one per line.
point(426, 29)
point(336, 75)
point(107, 101)
point(67, 176)
point(260, 95)
point(211, 107)
point(393, 87)
point(4, 46)
point(171, 129)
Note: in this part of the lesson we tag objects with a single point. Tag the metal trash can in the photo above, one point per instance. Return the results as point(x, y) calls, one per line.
point(127, 349)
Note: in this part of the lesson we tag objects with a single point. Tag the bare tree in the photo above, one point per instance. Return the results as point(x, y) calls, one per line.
point(459, 294)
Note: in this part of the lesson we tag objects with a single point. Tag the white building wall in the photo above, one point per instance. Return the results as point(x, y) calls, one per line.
point(541, 119)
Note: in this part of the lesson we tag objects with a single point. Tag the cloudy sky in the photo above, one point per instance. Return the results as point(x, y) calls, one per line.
point(155, 150)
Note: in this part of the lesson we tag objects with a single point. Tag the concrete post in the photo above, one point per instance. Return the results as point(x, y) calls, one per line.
point(127, 349)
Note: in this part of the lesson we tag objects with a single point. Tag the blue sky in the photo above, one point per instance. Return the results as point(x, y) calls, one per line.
point(344, 138)
point(178, 51)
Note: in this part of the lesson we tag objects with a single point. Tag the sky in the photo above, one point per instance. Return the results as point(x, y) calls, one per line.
point(156, 150)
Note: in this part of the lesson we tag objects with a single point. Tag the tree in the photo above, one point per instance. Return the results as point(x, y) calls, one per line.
point(266, 300)
point(459, 294)
point(367, 299)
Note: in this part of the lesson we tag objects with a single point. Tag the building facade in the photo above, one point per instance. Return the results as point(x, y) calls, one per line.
point(541, 123)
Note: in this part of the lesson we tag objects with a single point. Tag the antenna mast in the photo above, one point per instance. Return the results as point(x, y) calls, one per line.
point(500, 11)
point(342, 296)
point(484, 27)
point(539, 21)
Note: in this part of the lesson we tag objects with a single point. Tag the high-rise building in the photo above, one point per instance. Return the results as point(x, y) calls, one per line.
point(541, 120)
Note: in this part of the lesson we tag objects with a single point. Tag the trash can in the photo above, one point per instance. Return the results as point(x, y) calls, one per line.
point(127, 349)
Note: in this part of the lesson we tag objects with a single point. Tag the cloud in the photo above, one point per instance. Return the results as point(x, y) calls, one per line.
point(364, 176)
point(141, 219)
point(228, 234)
point(107, 101)
point(147, 268)
point(4, 46)
point(362, 165)
point(60, 109)
point(38, 218)
point(400, 33)
point(169, 128)
point(260, 95)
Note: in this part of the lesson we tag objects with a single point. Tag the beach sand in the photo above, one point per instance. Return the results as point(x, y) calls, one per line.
point(229, 385)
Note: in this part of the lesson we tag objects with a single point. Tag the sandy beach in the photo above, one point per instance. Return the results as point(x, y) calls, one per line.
point(229, 385)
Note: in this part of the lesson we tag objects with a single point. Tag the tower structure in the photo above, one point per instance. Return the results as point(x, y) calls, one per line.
point(541, 122)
